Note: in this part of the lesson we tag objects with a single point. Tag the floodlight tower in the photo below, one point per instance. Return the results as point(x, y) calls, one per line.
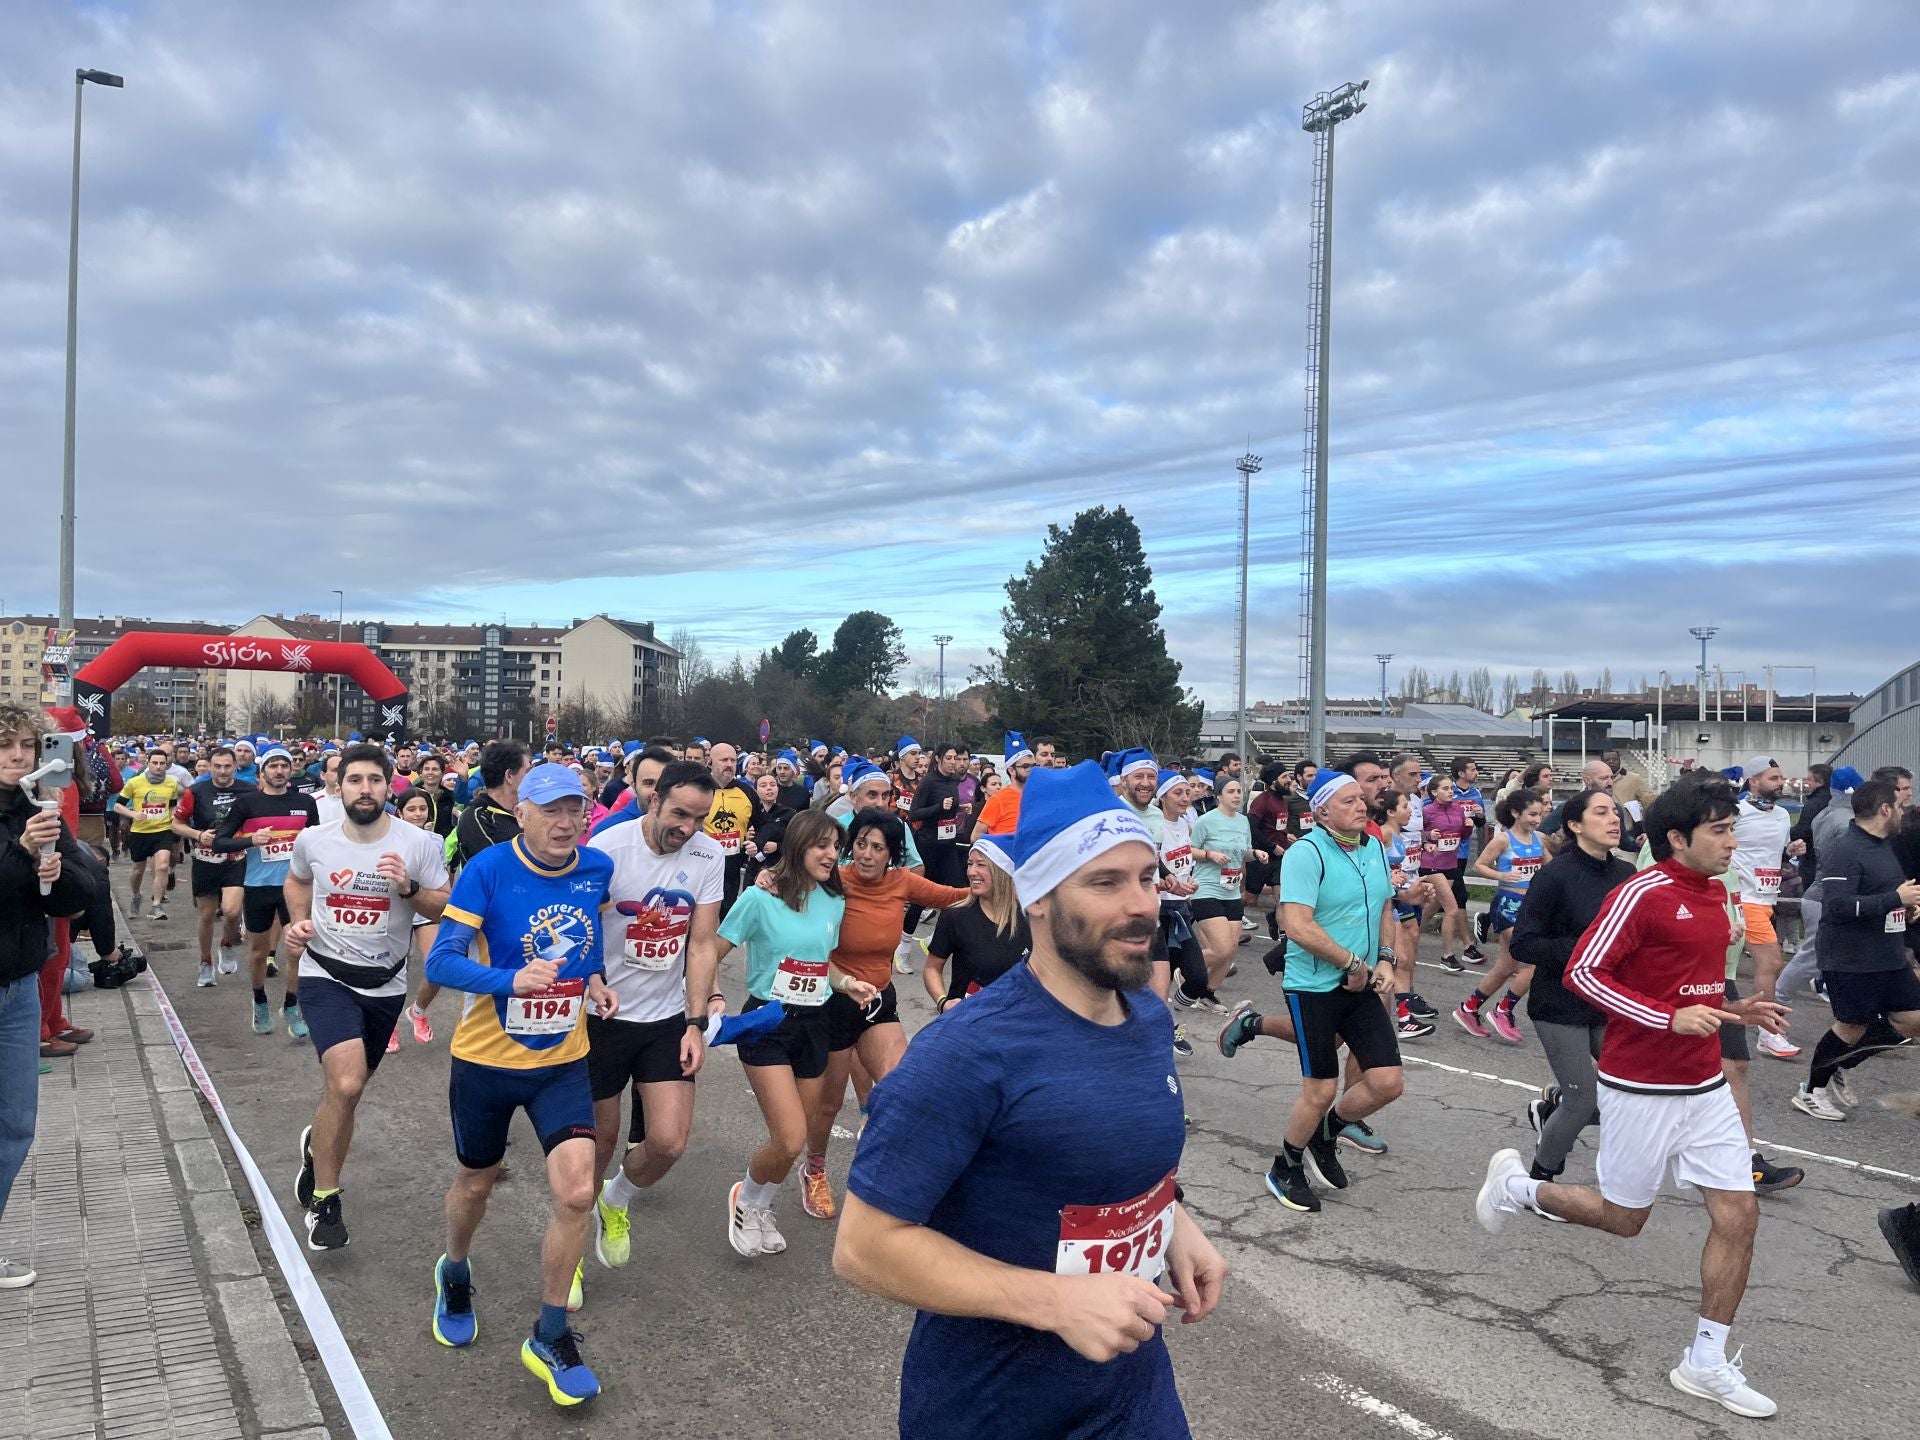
point(1703, 633)
point(1249, 466)
point(1325, 111)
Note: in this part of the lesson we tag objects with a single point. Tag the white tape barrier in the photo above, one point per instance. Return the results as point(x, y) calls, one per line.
point(362, 1411)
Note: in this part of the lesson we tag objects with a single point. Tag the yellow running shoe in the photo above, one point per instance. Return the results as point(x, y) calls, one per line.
point(816, 1195)
point(612, 1234)
point(577, 1296)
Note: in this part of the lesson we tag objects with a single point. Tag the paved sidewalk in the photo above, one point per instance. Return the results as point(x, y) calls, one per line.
point(152, 1316)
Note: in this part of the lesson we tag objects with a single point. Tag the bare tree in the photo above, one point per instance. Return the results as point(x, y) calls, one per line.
point(1480, 688)
point(1569, 682)
point(1509, 692)
point(1605, 682)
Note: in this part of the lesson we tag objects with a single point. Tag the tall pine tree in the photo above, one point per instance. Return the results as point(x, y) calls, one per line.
point(1086, 658)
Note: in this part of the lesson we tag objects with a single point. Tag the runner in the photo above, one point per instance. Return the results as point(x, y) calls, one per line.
point(150, 798)
point(1042, 1238)
point(790, 927)
point(643, 774)
point(977, 942)
point(414, 812)
point(1764, 835)
point(1510, 859)
point(1413, 1016)
point(1654, 959)
point(217, 878)
point(263, 824)
point(430, 780)
point(1339, 970)
point(1178, 947)
point(1268, 814)
point(1222, 847)
point(1867, 904)
point(533, 905)
point(787, 775)
point(1001, 814)
point(1446, 833)
point(736, 810)
point(327, 803)
point(935, 821)
point(668, 880)
point(353, 889)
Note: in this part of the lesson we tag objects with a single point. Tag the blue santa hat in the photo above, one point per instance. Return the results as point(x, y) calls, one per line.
point(1068, 819)
point(701, 740)
point(1168, 779)
point(996, 849)
point(856, 771)
point(906, 746)
point(1017, 748)
point(630, 746)
point(1203, 775)
point(816, 747)
point(1845, 780)
point(1128, 761)
point(1326, 785)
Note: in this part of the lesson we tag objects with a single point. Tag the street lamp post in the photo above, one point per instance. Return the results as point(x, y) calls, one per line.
point(943, 641)
point(80, 79)
point(1385, 660)
point(1249, 466)
point(339, 634)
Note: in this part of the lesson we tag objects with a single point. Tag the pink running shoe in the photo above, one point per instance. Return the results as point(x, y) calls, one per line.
point(1501, 1021)
point(393, 1042)
point(422, 1026)
point(1470, 1022)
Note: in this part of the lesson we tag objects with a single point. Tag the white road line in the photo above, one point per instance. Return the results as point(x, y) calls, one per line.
point(1372, 1405)
point(1838, 1160)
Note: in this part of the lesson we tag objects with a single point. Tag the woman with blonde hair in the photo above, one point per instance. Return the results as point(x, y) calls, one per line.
point(984, 936)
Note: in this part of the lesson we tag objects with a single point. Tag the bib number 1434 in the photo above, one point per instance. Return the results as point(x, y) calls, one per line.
point(1129, 1238)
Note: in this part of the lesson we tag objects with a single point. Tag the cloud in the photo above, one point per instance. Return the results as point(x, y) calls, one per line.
point(740, 317)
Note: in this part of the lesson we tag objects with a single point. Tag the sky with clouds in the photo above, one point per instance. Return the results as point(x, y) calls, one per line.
point(740, 316)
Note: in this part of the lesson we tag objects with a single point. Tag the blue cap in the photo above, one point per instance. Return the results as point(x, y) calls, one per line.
point(546, 783)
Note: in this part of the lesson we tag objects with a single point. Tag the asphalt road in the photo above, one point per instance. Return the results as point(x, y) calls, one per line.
point(1388, 1314)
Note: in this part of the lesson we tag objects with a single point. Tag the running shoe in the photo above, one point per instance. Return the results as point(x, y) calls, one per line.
point(229, 963)
point(454, 1322)
point(1288, 1184)
point(1769, 1177)
point(262, 1018)
point(1468, 1021)
point(1840, 1091)
point(1493, 1204)
point(1181, 1000)
point(326, 1226)
point(1247, 922)
point(422, 1026)
point(907, 955)
point(273, 968)
point(296, 1022)
point(1481, 920)
point(1358, 1135)
point(1724, 1382)
point(158, 912)
point(1900, 1225)
point(393, 1041)
point(1243, 1025)
point(816, 1194)
point(558, 1363)
point(772, 1242)
point(1472, 953)
point(612, 1233)
point(16, 1276)
point(1501, 1021)
point(1451, 964)
point(1323, 1163)
point(1779, 1047)
point(1182, 1046)
point(1409, 1028)
point(743, 1223)
point(1420, 1007)
point(1539, 1111)
point(577, 1291)
point(1815, 1103)
point(205, 978)
point(303, 1179)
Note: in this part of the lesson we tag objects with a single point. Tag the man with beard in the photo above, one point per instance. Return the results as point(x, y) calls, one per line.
point(1041, 1237)
point(736, 810)
point(352, 890)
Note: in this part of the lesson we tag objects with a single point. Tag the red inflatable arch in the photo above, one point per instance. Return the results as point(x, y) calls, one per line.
point(93, 687)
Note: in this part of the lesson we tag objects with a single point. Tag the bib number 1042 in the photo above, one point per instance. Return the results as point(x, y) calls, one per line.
point(1129, 1238)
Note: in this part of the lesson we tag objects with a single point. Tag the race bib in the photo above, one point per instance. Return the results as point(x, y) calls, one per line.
point(1229, 878)
point(280, 847)
point(1524, 866)
point(1896, 922)
point(346, 914)
point(1130, 1238)
point(1306, 823)
point(1475, 814)
point(650, 954)
point(728, 842)
point(1766, 883)
point(1446, 843)
point(153, 810)
point(947, 830)
point(211, 856)
point(553, 1011)
point(800, 982)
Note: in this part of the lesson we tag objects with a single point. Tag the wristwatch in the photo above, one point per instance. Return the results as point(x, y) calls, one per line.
point(697, 1022)
point(413, 889)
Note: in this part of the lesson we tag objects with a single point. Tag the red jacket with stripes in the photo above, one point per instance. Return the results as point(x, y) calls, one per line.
point(1658, 945)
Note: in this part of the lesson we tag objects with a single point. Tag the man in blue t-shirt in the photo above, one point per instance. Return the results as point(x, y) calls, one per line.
point(1040, 1236)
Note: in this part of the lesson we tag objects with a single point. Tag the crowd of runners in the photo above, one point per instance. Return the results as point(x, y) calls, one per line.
point(1081, 920)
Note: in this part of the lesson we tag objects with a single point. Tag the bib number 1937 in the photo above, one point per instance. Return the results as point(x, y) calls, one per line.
point(1129, 1238)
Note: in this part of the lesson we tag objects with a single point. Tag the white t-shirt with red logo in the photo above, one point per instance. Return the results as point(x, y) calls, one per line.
point(1760, 837)
point(358, 915)
point(650, 913)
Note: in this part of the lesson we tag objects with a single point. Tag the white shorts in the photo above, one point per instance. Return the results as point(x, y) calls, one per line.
point(1700, 1136)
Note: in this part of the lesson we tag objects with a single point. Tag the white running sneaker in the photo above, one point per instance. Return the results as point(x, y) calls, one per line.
point(906, 955)
point(229, 963)
point(772, 1242)
point(1493, 1205)
point(1816, 1104)
point(743, 1224)
point(205, 978)
point(1840, 1092)
point(1723, 1382)
point(1778, 1046)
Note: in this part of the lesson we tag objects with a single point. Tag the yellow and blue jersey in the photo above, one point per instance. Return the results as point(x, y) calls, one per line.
point(506, 909)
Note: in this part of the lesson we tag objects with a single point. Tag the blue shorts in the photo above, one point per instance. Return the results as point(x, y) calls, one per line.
point(1503, 914)
point(557, 1099)
point(338, 1014)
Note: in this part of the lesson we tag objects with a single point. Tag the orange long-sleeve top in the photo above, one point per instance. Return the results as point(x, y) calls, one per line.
point(870, 930)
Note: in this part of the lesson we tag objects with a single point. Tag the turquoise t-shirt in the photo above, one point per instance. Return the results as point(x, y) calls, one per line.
point(1347, 890)
point(1231, 836)
point(772, 931)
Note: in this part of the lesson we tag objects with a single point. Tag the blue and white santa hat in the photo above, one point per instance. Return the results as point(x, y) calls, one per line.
point(275, 752)
point(857, 772)
point(1846, 780)
point(816, 747)
point(630, 746)
point(1017, 748)
point(1326, 785)
point(790, 755)
point(907, 746)
point(997, 849)
point(1205, 777)
point(1128, 761)
point(1068, 819)
point(701, 740)
point(1168, 779)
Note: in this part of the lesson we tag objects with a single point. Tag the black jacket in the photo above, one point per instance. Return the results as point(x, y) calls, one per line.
point(1560, 904)
point(482, 824)
point(24, 911)
point(1817, 800)
point(936, 799)
point(1859, 878)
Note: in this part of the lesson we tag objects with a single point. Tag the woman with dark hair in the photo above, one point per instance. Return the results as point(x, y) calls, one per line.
point(1510, 859)
point(878, 890)
point(790, 922)
point(1561, 901)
